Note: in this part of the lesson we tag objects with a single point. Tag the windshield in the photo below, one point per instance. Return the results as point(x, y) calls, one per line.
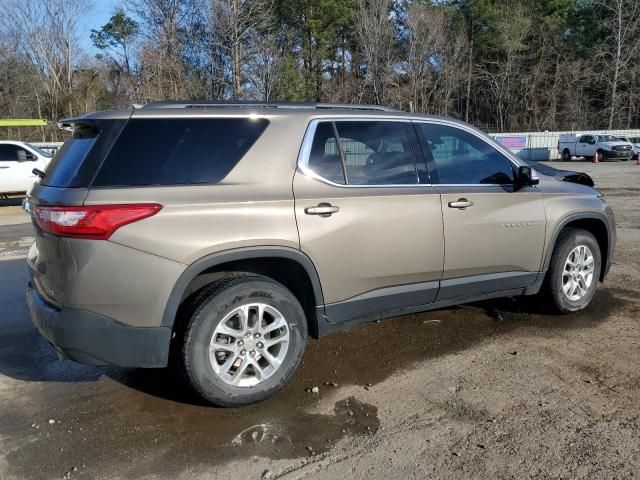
point(634, 139)
point(607, 138)
point(39, 151)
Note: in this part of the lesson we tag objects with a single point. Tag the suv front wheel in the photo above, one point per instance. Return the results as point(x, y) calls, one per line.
point(244, 339)
point(574, 270)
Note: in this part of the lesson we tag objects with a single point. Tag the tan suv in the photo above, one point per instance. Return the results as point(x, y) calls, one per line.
point(221, 235)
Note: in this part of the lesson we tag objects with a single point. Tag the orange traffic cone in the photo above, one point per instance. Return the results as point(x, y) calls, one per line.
point(596, 158)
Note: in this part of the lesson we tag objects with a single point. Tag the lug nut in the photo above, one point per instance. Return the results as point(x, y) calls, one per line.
point(260, 345)
point(257, 335)
point(240, 343)
point(247, 335)
point(252, 353)
point(243, 352)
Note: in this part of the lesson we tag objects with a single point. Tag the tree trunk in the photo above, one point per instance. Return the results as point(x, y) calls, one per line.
point(469, 75)
point(616, 65)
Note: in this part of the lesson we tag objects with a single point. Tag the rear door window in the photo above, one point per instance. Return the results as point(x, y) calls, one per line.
point(377, 153)
point(368, 152)
point(324, 158)
point(178, 151)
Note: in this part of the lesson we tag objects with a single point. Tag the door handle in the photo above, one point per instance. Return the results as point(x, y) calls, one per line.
point(461, 203)
point(322, 209)
point(5, 167)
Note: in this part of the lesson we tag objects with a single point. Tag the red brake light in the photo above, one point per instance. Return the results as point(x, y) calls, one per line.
point(96, 222)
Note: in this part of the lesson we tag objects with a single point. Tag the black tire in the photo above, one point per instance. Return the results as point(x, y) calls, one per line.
point(206, 310)
point(552, 290)
point(566, 155)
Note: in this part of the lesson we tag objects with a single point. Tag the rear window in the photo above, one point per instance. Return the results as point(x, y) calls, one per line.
point(62, 169)
point(178, 151)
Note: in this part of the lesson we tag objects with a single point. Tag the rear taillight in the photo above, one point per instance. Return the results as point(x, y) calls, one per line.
point(97, 222)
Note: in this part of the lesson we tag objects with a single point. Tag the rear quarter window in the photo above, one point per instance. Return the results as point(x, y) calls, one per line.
point(178, 151)
point(69, 158)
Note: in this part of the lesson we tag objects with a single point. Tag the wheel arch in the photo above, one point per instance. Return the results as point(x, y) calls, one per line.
point(593, 222)
point(286, 265)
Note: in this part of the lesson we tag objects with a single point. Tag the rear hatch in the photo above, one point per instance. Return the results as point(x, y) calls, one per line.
point(115, 157)
point(66, 182)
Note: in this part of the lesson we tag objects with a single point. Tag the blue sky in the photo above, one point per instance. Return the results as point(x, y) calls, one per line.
point(96, 16)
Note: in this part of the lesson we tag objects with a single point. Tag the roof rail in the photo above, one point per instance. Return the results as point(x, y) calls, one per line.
point(259, 104)
point(353, 106)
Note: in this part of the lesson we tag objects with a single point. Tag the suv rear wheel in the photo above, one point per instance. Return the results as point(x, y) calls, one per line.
point(574, 270)
point(566, 155)
point(244, 340)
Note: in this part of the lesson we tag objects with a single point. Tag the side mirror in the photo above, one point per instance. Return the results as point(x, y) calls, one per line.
point(526, 176)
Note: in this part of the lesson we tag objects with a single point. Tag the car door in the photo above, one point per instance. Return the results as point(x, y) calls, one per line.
point(494, 231)
point(15, 170)
point(371, 225)
point(586, 146)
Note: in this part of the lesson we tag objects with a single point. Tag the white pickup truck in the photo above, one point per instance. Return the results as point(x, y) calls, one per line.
point(605, 147)
point(635, 141)
point(17, 161)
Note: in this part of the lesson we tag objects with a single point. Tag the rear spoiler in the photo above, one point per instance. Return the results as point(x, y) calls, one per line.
point(91, 118)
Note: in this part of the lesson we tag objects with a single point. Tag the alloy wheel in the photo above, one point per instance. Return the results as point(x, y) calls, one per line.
point(577, 275)
point(249, 344)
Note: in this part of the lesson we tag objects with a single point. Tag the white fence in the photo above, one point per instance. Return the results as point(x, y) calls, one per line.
point(539, 146)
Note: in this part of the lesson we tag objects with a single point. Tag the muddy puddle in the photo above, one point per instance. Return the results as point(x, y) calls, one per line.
point(106, 415)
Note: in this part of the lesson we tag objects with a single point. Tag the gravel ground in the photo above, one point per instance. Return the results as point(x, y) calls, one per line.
point(490, 390)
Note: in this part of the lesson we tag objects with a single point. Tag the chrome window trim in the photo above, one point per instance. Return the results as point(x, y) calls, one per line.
point(307, 142)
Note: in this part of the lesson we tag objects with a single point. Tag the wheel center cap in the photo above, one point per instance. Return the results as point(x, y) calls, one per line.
point(250, 344)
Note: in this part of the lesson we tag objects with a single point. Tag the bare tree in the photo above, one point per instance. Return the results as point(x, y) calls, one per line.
point(453, 60)
point(504, 64)
point(47, 35)
point(623, 24)
point(375, 34)
point(237, 25)
point(501, 75)
point(264, 65)
point(167, 24)
point(425, 42)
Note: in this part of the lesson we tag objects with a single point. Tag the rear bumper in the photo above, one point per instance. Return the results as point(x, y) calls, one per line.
point(87, 337)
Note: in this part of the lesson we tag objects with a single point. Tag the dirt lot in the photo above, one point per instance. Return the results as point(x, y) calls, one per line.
point(492, 390)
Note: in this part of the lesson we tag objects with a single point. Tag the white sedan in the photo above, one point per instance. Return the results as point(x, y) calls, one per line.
point(17, 161)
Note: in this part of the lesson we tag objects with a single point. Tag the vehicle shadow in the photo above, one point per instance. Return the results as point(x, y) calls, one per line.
point(11, 202)
point(344, 357)
point(24, 354)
